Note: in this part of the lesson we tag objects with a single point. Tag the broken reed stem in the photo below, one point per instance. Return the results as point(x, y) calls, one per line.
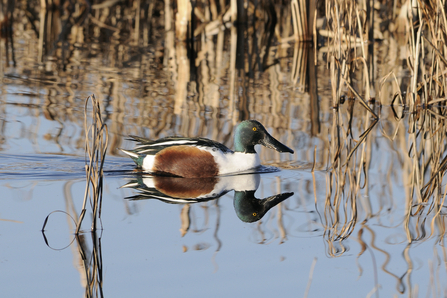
point(362, 102)
point(96, 149)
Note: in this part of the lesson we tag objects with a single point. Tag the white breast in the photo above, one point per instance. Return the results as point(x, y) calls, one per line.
point(230, 163)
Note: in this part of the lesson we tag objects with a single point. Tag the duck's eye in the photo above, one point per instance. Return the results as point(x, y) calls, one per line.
point(254, 214)
point(255, 129)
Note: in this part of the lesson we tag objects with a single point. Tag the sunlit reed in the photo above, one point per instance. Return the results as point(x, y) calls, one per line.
point(350, 156)
point(96, 140)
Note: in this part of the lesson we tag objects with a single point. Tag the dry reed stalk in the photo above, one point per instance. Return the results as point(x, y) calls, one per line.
point(361, 100)
point(399, 94)
point(340, 208)
point(96, 140)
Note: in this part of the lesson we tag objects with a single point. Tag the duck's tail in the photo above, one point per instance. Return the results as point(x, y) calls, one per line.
point(137, 158)
point(130, 153)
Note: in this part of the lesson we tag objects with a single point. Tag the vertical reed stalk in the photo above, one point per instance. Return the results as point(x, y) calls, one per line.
point(96, 140)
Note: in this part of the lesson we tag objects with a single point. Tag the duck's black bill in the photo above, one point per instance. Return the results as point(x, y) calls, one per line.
point(272, 143)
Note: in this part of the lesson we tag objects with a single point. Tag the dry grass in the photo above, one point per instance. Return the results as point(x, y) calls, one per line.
point(350, 156)
point(96, 141)
point(89, 258)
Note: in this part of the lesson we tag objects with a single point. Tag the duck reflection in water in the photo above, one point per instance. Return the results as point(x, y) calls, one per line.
point(177, 190)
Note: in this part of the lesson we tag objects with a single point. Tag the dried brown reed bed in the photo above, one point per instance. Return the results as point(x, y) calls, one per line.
point(424, 97)
point(349, 156)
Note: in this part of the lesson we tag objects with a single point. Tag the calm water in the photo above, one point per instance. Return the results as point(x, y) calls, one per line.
point(347, 229)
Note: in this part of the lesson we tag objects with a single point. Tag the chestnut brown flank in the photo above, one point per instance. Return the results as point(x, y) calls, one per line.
point(186, 161)
point(184, 188)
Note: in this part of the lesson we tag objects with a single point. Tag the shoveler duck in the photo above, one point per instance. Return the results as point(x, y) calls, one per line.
point(201, 157)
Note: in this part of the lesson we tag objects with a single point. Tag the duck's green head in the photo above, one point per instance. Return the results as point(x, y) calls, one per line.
point(250, 133)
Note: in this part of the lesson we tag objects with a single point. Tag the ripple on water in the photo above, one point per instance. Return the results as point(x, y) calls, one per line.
point(48, 166)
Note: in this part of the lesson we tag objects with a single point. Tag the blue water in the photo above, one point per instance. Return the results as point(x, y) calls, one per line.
point(293, 250)
point(365, 243)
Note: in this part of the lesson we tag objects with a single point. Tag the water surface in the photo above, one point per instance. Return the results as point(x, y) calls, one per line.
point(356, 221)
